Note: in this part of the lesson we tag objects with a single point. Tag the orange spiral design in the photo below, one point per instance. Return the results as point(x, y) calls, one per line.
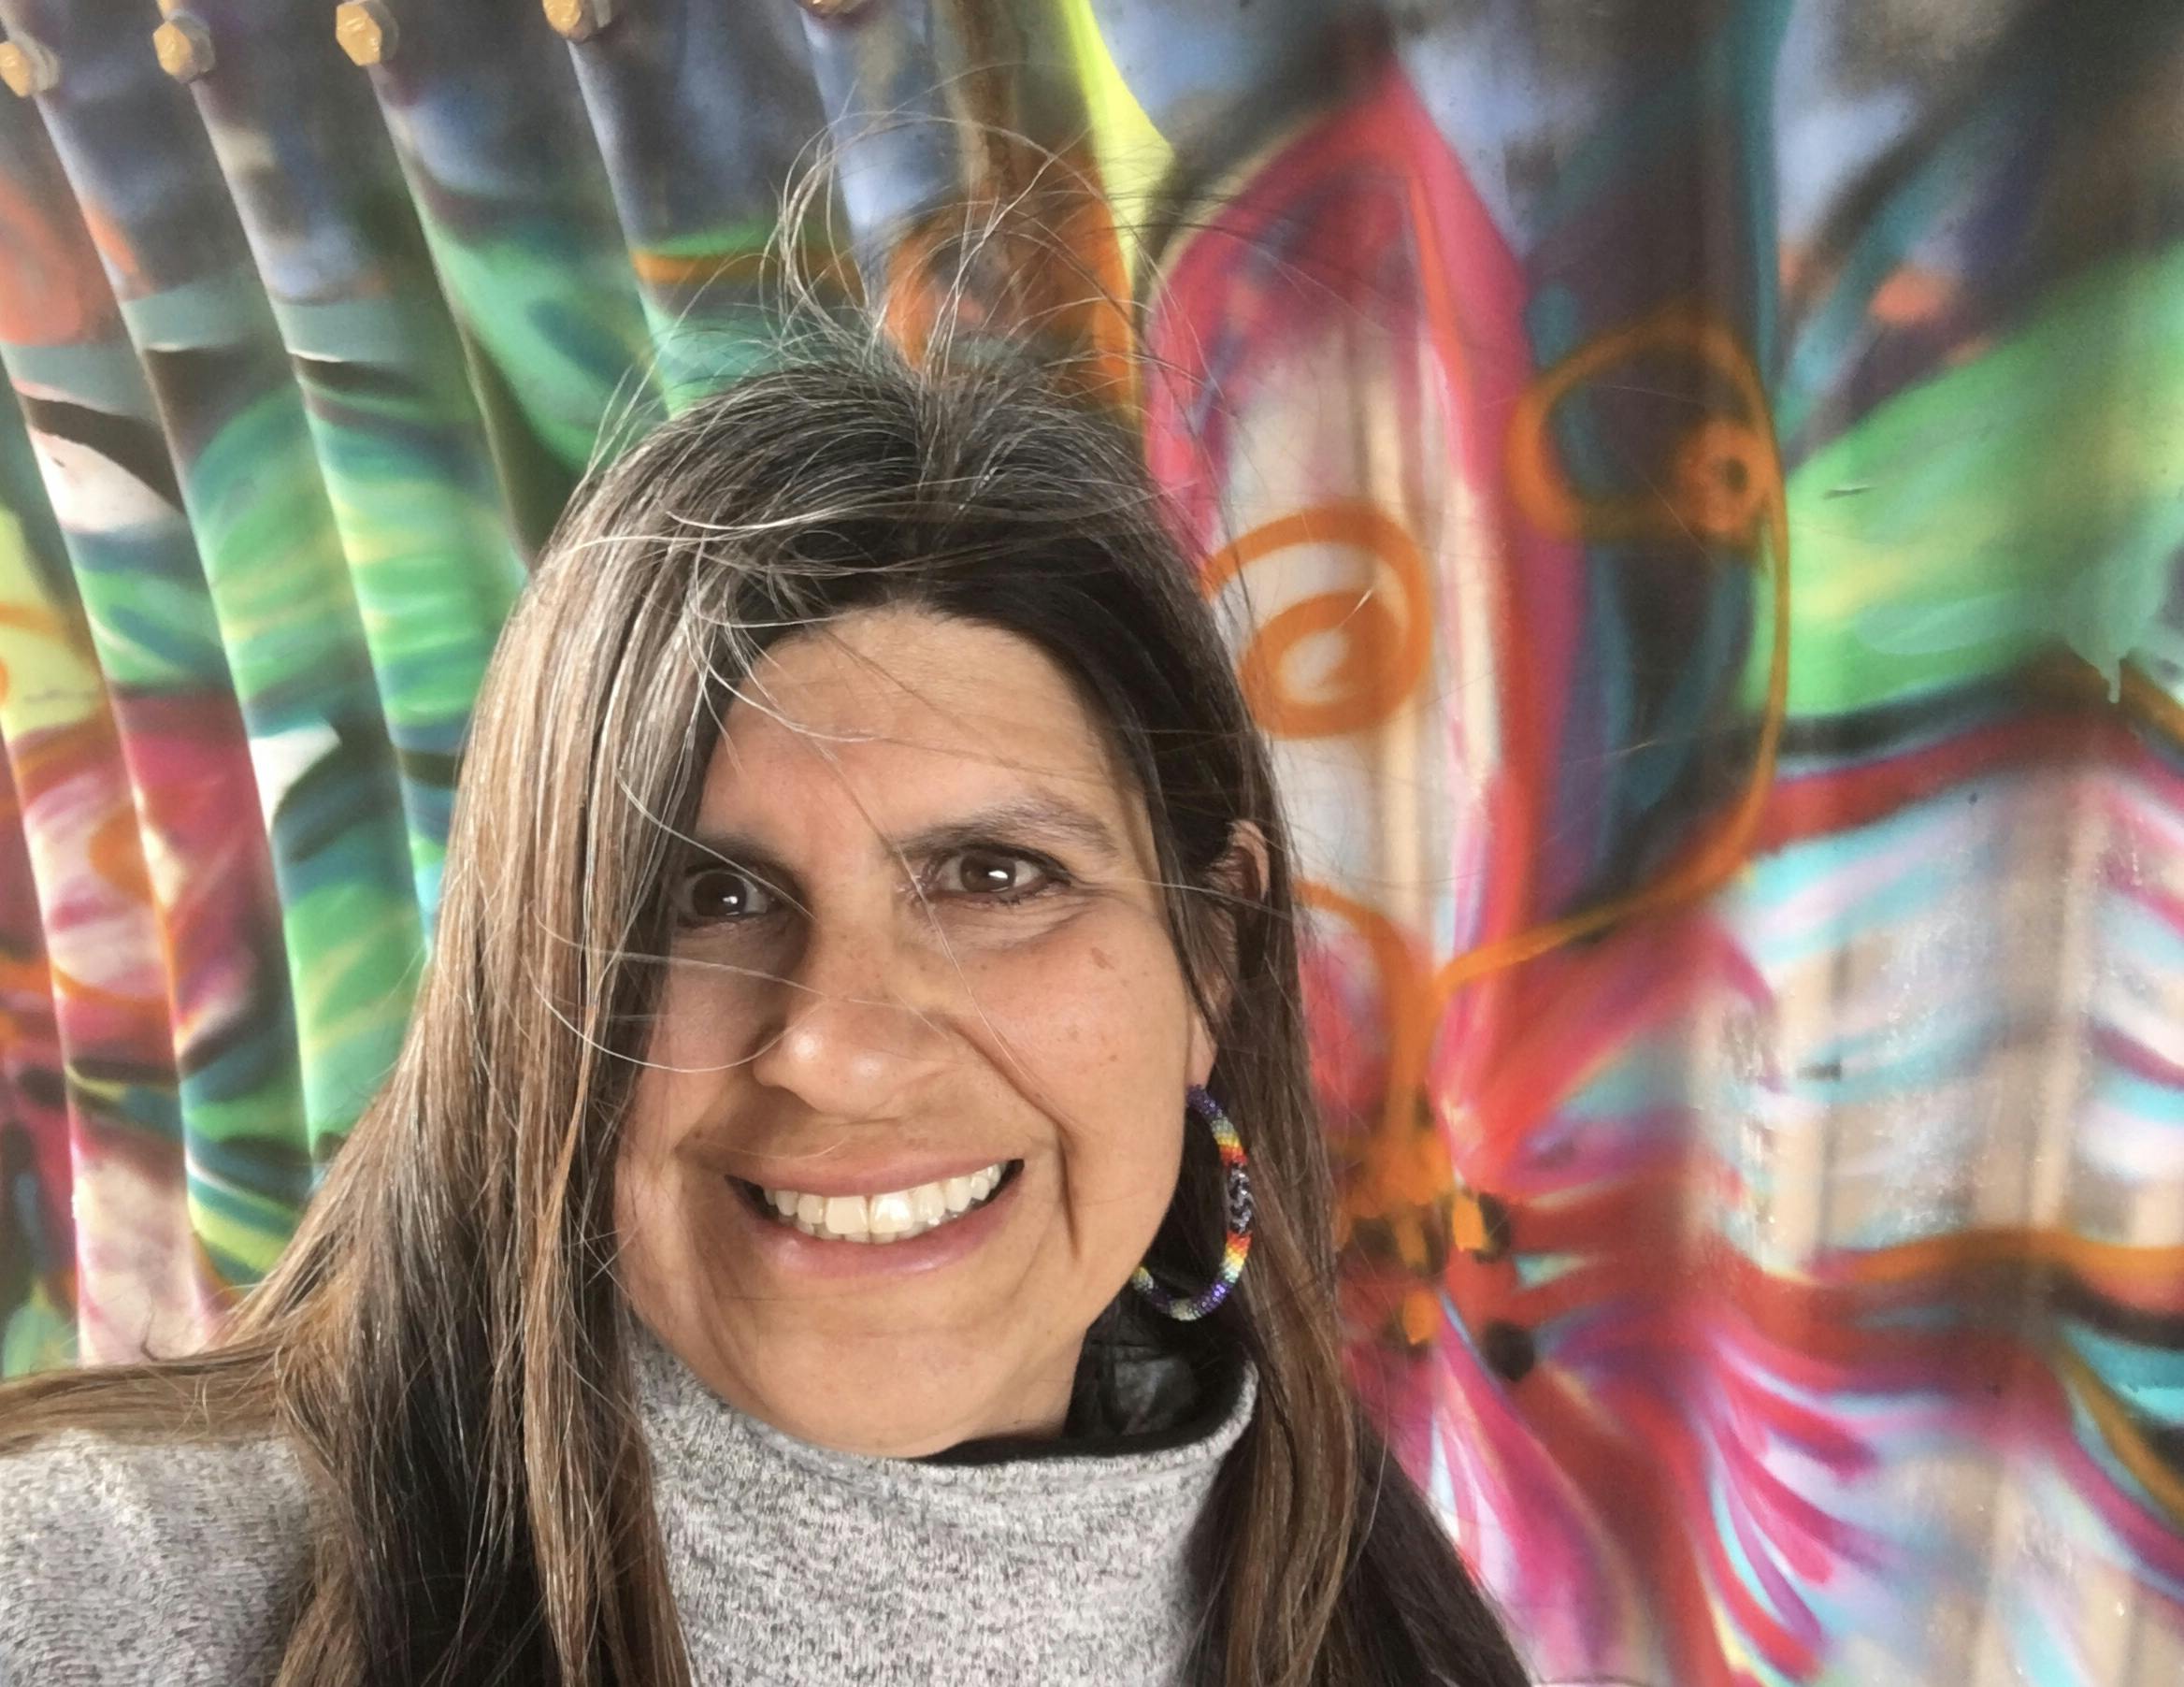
point(1385, 648)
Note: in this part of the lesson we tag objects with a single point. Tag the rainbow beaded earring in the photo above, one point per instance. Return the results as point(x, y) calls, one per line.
point(1238, 1248)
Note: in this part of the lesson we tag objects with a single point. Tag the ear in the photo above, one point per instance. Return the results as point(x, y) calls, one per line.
point(1240, 875)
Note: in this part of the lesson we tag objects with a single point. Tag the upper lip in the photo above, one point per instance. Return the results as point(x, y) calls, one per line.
point(824, 1175)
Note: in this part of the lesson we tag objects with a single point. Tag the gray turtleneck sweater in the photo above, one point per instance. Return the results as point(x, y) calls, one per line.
point(791, 1565)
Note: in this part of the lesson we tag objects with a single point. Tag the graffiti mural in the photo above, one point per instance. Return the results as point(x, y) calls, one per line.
point(1696, 492)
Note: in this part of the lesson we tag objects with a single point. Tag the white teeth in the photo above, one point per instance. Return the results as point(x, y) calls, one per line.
point(892, 1215)
point(845, 1217)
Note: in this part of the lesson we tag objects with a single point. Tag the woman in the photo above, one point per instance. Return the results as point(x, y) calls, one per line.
point(867, 912)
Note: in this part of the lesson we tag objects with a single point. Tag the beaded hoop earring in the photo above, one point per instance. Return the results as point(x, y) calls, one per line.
point(1238, 1246)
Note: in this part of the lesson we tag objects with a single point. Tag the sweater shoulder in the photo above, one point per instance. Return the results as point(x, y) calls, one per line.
point(125, 1563)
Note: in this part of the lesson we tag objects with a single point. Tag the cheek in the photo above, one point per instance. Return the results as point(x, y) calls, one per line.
point(686, 1057)
point(674, 1050)
point(1098, 1021)
point(641, 1177)
point(678, 1081)
point(1099, 1003)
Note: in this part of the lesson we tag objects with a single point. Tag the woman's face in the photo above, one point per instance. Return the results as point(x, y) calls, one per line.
point(921, 945)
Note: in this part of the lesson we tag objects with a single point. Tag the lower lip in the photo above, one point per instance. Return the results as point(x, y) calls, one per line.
point(788, 1250)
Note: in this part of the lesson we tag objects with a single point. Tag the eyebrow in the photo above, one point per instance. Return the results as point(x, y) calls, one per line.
point(1047, 819)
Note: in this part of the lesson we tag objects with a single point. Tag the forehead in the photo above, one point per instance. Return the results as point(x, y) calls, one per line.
point(907, 713)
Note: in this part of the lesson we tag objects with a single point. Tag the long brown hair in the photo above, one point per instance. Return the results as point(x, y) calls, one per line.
point(441, 1342)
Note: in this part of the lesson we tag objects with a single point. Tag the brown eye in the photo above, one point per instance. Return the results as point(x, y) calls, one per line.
point(995, 876)
point(712, 894)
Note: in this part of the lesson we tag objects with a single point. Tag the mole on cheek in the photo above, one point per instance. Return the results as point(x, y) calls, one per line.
point(1101, 960)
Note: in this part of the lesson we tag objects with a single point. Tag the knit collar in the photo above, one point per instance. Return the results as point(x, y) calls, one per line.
point(798, 1563)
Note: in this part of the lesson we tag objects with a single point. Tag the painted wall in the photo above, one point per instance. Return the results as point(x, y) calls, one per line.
point(1701, 486)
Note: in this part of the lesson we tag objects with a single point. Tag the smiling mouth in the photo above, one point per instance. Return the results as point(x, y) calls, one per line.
point(894, 1215)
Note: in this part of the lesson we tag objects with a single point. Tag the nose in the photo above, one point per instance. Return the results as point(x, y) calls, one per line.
point(844, 1031)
